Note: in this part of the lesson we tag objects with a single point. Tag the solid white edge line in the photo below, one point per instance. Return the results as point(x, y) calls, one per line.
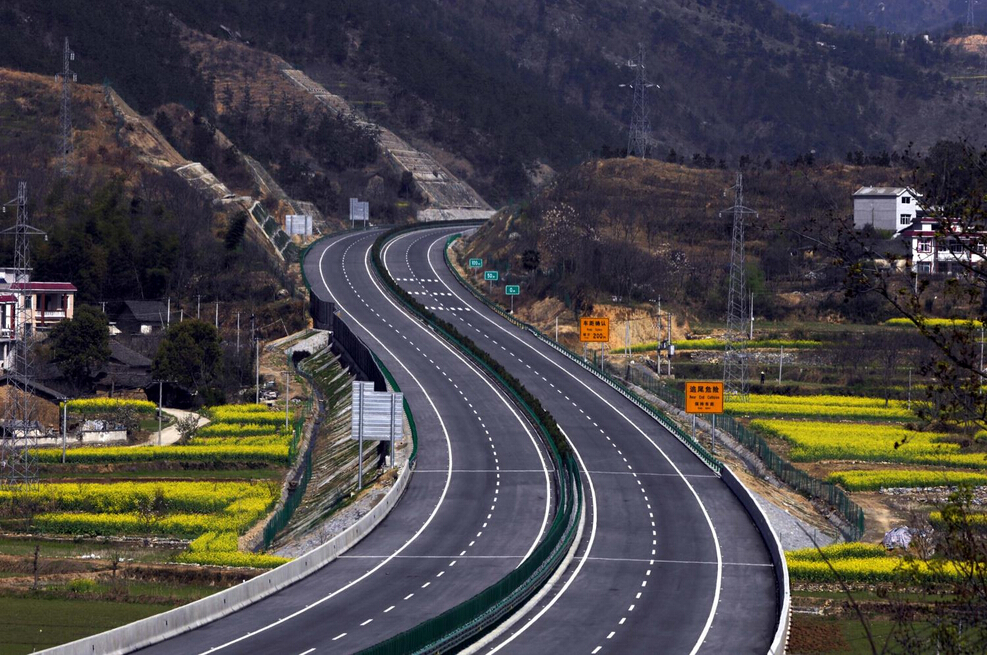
point(510, 406)
point(435, 510)
point(582, 560)
point(709, 521)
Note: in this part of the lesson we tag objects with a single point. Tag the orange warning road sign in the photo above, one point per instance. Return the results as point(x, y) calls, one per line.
point(594, 330)
point(704, 397)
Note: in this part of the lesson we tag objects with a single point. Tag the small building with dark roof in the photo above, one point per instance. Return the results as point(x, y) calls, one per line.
point(136, 317)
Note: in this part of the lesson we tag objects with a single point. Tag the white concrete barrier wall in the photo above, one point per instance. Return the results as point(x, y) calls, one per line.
point(780, 641)
point(153, 629)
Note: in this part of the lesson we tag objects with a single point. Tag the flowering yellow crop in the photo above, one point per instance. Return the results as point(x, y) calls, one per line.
point(850, 407)
point(273, 454)
point(122, 497)
point(812, 441)
point(236, 430)
point(250, 416)
point(864, 563)
point(220, 549)
point(107, 405)
point(889, 479)
point(935, 322)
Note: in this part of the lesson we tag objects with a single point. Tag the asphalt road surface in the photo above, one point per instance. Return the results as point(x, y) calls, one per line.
point(670, 561)
point(480, 499)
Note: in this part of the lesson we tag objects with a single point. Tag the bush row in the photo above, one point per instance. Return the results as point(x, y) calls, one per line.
point(108, 405)
point(270, 454)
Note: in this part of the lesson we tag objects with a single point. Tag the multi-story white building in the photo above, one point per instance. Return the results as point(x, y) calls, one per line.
point(892, 209)
point(947, 252)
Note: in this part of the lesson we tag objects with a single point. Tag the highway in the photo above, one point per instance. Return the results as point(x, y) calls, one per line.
point(479, 501)
point(670, 561)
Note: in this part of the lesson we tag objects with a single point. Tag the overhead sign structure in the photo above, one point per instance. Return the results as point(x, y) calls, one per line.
point(513, 289)
point(594, 330)
point(476, 262)
point(704, 397)
point(491, 276)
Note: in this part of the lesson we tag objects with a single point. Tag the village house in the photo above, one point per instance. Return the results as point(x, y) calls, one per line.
point(890, 209)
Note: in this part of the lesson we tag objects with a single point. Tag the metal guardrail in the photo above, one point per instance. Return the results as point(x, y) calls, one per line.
point(463, 622)
point(655, 413)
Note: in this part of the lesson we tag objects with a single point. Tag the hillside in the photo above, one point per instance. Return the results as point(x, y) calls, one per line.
point(908, 16)
point(627, 231)
point(502, 93)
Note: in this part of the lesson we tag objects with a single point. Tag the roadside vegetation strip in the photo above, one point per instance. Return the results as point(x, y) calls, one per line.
point(109, 405)
point(865, 563)
point(813, 441)
point(221, 454)
point(720, 344)
point(898, 478)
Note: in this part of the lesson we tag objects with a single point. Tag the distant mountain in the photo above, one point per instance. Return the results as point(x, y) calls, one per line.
point(905, 16)
point(502, 90)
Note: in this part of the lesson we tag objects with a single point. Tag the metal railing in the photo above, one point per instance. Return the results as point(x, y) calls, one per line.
point(655, 413)
point(470, 618)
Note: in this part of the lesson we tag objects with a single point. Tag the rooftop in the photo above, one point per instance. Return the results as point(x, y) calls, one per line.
point(884, 191)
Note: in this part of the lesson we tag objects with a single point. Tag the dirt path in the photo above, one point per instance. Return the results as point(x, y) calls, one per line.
point(170, 435)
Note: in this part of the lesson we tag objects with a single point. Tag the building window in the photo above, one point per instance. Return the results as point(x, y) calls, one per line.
point(906, 200)
point(924, 245)
point(925, 267)
point(906, 219)
point(955, 247)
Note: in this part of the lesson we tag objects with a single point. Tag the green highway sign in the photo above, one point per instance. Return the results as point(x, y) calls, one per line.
point(491, 275)
point(476, 262)
point(513, 289)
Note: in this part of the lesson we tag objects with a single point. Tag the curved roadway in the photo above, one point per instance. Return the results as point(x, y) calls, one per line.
point(479, 500)
point(670, 562)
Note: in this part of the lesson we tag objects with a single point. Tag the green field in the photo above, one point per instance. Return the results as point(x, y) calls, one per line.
point(30, 624)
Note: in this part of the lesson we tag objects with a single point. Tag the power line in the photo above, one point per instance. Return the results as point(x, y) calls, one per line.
point(735, 364)
point(639, 131)
point(66, 114)
point(19, 443)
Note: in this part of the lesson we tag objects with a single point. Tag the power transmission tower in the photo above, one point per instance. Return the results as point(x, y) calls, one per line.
point(66, 114)
point(639, 131)
point(735, 364)
point(19, 441)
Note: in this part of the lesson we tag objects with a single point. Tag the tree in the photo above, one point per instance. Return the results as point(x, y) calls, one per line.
point(82, 345)
point(189, 356)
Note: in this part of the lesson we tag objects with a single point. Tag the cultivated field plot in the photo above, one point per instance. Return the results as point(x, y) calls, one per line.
point(831, 407)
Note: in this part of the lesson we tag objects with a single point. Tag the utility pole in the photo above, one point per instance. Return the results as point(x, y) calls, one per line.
point(65, 426)
point(969, 15)
point(752, 317)
point(160, 405)
point(217, 315)
point(287, 397)
point(735, 360)
point(257, 369)
point(639, 131)
point(670, 344)
point(66, 76)
point(18, 452)
point(169, 311)
point(198, 306)
point(781, 359)
point(238, 332)
point(627, 338)
point(556, 329)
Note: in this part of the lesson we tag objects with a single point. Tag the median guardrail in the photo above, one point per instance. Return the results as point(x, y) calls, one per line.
point(465, 621)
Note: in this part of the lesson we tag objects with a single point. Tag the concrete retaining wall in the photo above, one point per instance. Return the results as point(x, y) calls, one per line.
point(153, 629)
point(780, 641)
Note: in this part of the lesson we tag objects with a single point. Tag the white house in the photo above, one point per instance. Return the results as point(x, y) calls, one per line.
point(945, 252)
point(892, 209)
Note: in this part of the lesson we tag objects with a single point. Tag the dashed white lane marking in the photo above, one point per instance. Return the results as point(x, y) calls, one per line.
point(388, 609)
point(366, 622)
point(339, 636)
point(307, 652)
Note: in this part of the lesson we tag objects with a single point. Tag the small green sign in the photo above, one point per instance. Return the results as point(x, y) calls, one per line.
point(476, 262)
point(513, 289)
point(492, 276)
